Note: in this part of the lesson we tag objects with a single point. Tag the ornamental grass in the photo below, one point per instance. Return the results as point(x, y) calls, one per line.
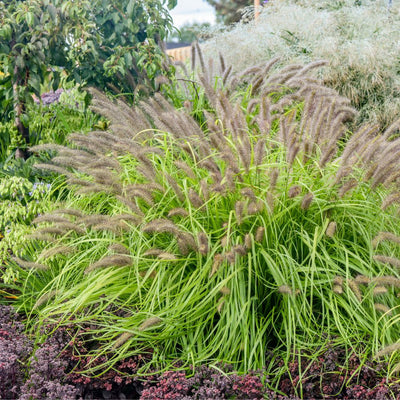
point(236, 225)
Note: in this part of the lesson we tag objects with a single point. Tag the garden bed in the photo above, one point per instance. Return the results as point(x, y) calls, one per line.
point(55, 368)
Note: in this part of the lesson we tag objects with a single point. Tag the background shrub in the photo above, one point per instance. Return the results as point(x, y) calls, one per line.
point(360, 42)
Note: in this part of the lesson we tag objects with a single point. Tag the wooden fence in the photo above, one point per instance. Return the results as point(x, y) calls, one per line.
point(180, 53)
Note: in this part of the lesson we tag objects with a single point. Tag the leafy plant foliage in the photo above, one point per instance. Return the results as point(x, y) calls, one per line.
point(113, 45)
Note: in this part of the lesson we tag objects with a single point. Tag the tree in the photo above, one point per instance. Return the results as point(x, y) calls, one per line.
point(124, 50)
point(190, 32)
point(229, 11)
point(103, 43)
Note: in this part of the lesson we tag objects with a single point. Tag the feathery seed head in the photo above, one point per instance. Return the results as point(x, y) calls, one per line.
point(253, 208)
point(29, 264)
point(294, 191)
point(122, 339)
point(331, 229)
point(218, 259)
point(273, 178)
point(195, 199)
point(285, 289)
point(185, 168)
point(260, 234)
point(50, 218)
point(167, 256)
point(386, 280)
point(225, 291)
point(161, 226)
point(119, 249)
point(220, 305)
point(150, 322)
point(152, 252)
point(203, 243)
point(45, 297)
point(248, 192)
point(240, 250)
point(385, 236)
point(118, 260)
point(306, 201)
point(69, 211)
point(48, 253)
point(239, 211)
point(338, 289)
point(388, 349)
point(362, 280)
point(248, 241)
point(186, 243)
point(338, 280)
point(230, 256)
point(382, 308)
point(378, 290)
point(355, 289)
point(179, 211)
point(224, 241)
point(270, 202)
point(395, 262)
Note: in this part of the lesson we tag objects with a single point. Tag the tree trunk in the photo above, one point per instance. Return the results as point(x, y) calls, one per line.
point(19, 110)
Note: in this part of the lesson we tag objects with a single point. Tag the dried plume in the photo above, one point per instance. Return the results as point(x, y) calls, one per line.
point(202, 239)
point(122, 339)
point(355, 289)
point(385, 236)
point(218, 259)
point(285, 289)
point(195, 199)
point(225, 291)
point(161, 226)
point(152, 252)
point(260, 234)
point(378, 290)
point(239, 211)
point(248, 241)
point(294, 191)
point(118, 248)
point(387, 281)
point(179, 211)
point(149, 322)
point(167, 256)
point(331, 229)
point(45, 297)
point(306, 201)
point(388, 350)
point(53, 251)
point(29, 264)
point(382, 308)
point(119, 260)
point(395, 262)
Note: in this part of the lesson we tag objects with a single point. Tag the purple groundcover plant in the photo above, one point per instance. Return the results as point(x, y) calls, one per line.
point(206, 383)
point(54, 371)
point(47, 371)
point(15, 349)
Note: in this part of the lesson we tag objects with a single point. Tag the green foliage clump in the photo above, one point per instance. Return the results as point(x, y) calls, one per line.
point(220, 241)
point(360, 42)
point(112, 45)
point(48, 124)
point(20, 202)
